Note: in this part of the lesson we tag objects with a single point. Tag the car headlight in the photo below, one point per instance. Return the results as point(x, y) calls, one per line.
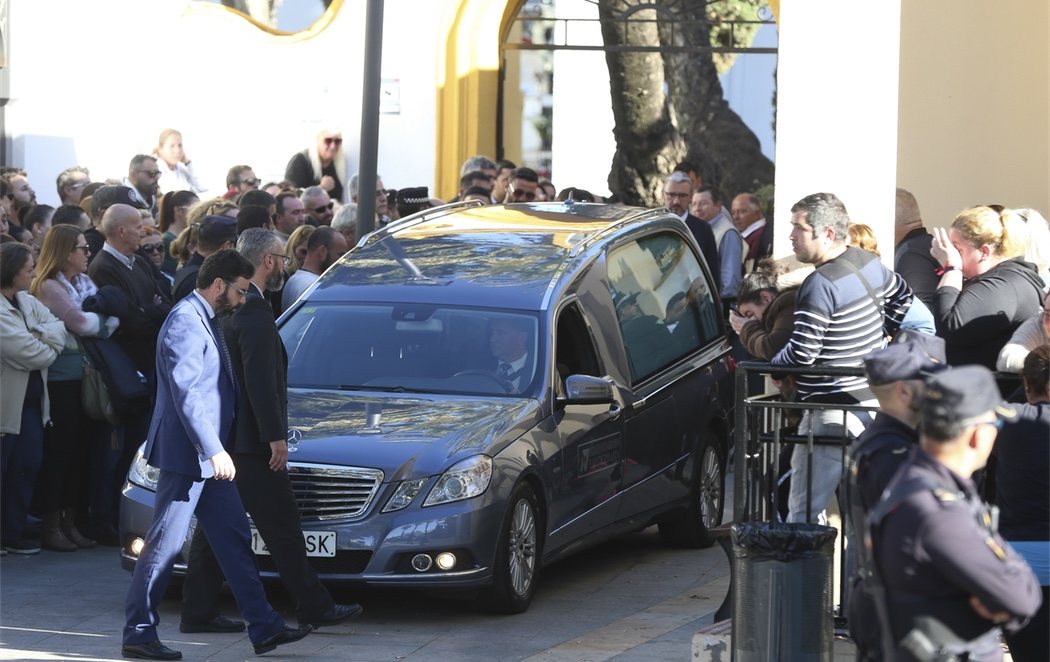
point(141, 473)
point(463, 480)
point(404, 494)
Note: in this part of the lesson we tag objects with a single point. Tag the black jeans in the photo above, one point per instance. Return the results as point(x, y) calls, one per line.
point(66, 450)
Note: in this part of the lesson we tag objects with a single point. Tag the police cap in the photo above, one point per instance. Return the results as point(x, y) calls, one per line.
point(962, 394)
point(910, 359)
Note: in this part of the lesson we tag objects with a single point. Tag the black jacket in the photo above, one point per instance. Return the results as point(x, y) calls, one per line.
point(705, 237)
point(261, 365)
point(186, 277)
point(148, 307)
point(977, 322)
point(912, 260)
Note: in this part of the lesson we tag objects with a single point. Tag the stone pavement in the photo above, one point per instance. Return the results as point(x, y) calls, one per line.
point(632, 599)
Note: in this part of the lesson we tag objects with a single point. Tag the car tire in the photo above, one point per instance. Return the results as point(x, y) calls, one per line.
point(516, 563)
point(689, 528)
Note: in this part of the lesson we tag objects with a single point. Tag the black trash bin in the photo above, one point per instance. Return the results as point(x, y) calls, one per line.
point(782, 598)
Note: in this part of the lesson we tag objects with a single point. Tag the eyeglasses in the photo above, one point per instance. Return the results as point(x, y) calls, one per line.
point(519, 194)
point(323, 208)
point(78, 185)
point(151, 248)
point(287, 260)
point(240, 291)
point(250, 182)
point(676, 196)
point(86, 248)
point(151, 173)
point(333, 141)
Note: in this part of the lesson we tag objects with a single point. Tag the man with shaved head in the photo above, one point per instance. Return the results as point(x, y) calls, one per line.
point(911, 256)
point(120, 265)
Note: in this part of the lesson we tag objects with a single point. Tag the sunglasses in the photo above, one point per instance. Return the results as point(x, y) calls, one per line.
point(85, 247)
point(518, 194)
point(151, 173)
point(323, 208)
point(333, 141)
point(149, 248)
point(250, 182)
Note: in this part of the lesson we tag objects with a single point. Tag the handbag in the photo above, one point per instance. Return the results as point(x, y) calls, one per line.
point(94, 396)
point(128, 390)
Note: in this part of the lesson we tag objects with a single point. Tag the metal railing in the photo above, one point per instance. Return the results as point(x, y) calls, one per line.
point(761, 432)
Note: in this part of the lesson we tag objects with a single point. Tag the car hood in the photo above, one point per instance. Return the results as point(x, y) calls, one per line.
point(404, 436)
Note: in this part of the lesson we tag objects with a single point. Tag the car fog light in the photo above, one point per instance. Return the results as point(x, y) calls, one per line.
point(136, 546)
point(422, 562)
point(445, 561)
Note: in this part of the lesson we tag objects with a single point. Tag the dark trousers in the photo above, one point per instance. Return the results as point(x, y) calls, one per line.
point(221, 515)
point(97, 476)
point(1032, 643)
point(20, 458)
point(66, 449)
point(268, 496)
point(129, 437)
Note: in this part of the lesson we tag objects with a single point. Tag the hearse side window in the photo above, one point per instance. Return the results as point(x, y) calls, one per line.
point(663, 302)
point(575, 353)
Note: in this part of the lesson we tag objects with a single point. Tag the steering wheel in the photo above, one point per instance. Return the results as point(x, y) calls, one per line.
point(505, 384)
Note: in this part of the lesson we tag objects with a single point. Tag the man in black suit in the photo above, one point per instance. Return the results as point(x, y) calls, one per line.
point(216, 233)
point(678, 192)
point(509, 345)
point(260, 454)
point(119, 264)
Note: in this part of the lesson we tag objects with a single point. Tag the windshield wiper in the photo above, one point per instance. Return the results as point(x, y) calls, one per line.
point(384, 389)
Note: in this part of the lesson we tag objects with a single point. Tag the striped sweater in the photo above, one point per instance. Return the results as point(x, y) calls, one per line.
point(837, 323)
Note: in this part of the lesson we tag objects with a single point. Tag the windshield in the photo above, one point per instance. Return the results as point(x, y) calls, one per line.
point(412, 348)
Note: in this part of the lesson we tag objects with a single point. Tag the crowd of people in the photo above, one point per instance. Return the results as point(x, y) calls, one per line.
point(89, 287)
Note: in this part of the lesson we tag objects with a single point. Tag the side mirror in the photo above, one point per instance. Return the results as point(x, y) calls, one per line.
point(588, 390)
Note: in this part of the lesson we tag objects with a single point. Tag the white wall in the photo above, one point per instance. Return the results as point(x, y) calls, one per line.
point(127, 69)
point(975, 105)
point(837, 110)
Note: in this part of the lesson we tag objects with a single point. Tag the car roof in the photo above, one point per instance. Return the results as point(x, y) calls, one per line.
point(504, 256)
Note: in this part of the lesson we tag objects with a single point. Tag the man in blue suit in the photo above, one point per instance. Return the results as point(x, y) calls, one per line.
point(189, 431)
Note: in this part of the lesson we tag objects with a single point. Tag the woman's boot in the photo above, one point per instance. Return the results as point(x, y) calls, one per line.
point(51, 536)
point(69, 527)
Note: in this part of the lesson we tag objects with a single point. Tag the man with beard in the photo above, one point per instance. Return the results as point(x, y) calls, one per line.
point(260, 454)
point(323, 248)
point(189, 441)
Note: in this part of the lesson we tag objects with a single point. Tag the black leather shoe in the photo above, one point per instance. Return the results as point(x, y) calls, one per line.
point(285, 636)
point(336, 615)
point(154, 650)
point(218, 624)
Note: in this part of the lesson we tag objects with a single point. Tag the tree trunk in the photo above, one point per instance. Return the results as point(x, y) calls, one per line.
point(692, 120)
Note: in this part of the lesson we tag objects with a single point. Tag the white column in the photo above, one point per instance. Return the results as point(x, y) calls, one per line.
point(837, 111)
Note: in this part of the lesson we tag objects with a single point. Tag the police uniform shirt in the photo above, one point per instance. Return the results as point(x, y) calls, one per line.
point(934, 552)
point(879, 452)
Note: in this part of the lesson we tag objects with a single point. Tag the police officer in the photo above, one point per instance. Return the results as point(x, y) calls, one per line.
point(949, 579)
point(895, 375)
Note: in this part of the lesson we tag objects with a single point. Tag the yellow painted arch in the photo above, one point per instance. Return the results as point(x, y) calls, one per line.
point(469, 61)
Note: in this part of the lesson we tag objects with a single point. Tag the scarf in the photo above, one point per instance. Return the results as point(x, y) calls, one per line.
point(81, 288)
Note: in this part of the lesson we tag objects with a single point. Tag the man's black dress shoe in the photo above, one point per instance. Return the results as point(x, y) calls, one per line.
point(336, 615)
point(218, 624)
point(285, 636)
point(154, 650)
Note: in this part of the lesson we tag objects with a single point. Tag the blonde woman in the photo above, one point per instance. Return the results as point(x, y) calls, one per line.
point(176, 169)
point(296, 248)
point(62, 284)
point(986, 290)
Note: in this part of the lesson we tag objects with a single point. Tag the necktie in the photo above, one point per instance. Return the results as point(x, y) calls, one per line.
point(503, 370)
point(220, 340)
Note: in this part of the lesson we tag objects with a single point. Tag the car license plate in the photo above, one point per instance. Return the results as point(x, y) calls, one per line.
point(318, 543)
